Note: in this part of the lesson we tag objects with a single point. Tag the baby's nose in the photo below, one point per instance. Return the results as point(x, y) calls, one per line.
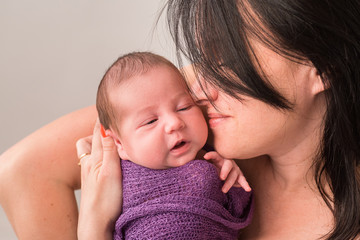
point(174, 123)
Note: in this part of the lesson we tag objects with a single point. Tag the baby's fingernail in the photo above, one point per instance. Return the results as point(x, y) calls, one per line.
point(102, 130)
point(247, 188)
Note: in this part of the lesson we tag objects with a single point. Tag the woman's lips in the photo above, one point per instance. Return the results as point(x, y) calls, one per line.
point(216, 118)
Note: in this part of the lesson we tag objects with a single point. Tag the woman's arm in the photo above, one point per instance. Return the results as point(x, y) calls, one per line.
point(38, 177)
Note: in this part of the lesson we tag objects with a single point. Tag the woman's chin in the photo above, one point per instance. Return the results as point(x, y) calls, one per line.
point(225, 150)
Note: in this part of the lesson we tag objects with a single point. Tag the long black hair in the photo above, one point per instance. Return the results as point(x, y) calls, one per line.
point(214, 35)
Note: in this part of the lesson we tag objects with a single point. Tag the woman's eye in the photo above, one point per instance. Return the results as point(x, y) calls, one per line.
point(201, 102)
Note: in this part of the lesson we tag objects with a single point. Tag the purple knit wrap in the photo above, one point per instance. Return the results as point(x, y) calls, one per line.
point(180, 203)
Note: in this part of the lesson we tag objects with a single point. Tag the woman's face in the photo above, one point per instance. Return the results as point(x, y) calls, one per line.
point(251, 128)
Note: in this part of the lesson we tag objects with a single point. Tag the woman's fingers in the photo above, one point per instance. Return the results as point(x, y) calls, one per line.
point(83, 148)
point(96, 150)
point(101, 185)
point(111, 158)
point(83, 145)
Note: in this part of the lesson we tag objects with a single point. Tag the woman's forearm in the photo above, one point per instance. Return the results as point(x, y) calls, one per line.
point(38, 177)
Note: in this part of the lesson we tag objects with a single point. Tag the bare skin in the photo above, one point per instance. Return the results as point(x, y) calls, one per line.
point(38, 177)
point(287, 204)
point(284, 211)
point(101, 195)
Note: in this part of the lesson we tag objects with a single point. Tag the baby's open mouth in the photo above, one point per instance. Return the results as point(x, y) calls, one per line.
point(179, 145)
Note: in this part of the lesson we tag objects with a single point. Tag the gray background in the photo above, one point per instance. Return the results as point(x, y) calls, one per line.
point(54, 53)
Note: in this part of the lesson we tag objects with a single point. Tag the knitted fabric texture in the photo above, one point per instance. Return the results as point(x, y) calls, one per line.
point(180, 203)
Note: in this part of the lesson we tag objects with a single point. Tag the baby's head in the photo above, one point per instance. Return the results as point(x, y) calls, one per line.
point(145, 105)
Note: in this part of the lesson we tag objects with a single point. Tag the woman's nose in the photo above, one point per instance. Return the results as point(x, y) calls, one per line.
point(204, 92)
point(173, 123)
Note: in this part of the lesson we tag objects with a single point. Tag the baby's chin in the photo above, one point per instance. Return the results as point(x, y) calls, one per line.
point(183, 161)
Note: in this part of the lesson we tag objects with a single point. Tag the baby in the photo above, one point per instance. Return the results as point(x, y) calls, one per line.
point(146, 107)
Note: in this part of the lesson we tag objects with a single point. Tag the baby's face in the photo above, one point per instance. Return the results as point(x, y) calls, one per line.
point(160, 126)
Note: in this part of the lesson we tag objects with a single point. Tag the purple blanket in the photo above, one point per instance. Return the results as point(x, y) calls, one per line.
point(180, 203)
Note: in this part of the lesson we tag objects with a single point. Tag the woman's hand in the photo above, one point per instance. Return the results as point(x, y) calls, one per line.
point(101, 186)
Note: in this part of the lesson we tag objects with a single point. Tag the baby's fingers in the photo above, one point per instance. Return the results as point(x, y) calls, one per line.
point(243, 183)
point(225, 169)
point(230, 180)
point(215, 158)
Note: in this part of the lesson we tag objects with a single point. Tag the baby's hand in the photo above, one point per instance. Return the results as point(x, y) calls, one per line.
point(229, 172)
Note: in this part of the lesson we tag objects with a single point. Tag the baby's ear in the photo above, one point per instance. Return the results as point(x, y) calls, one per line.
point(120, 148)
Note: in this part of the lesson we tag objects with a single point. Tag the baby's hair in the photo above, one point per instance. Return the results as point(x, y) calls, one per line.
point(125, 67)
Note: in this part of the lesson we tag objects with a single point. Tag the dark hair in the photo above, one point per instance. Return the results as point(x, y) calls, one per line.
point(214, 36)
point(125, 67)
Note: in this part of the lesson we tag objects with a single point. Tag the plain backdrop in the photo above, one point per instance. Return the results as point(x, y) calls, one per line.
point(54, 53)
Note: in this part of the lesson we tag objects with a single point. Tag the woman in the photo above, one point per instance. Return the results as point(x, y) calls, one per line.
point(280, 83)
point(282, 80)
